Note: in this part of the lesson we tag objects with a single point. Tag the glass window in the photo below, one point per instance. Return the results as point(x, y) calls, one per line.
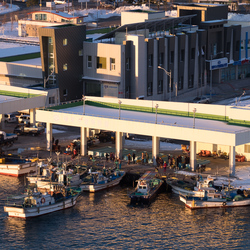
point(51, 100)
point(161, 59)
point(112, 64)
point(182, 55)
point(160, 86)
point(101, 62)
point(65, 66)
point(89, 62)
point(65, 92)
point(150, 60)
point(128, 63)
point(65, 41)
point(193, 53)
point(150, 89)
point(172, 57)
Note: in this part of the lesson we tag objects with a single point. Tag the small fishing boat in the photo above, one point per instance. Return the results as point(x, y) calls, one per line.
point(96, 181)
point(33, 204)
point(147, 189)
point(188, 188)
point(205, 202)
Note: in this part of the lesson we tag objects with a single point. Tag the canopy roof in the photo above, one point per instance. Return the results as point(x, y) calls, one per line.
point(153, 26)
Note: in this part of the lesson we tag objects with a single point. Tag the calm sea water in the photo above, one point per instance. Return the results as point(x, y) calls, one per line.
point(105, 220)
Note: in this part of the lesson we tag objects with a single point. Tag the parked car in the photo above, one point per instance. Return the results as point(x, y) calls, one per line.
point(25, 119)
point(106, 136)
point(201, 99)
point(9, 118)
point(28, 130)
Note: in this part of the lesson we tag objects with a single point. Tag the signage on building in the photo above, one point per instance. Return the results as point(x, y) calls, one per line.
point(109, 90)
point(219, 63)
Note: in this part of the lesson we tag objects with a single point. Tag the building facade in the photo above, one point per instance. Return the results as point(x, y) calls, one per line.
point(62, 62)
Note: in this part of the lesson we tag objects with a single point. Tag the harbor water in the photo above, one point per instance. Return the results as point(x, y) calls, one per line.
point(105, 220)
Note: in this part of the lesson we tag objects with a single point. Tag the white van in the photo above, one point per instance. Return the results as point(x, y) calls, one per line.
point(24, 119)
point(8, 118)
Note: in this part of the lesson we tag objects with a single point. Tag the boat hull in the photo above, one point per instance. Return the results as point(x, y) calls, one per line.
point(98, 187)
point(17, 169)
point(185, 192)
point(145, 199)
point(38, 211)
point(194, 204)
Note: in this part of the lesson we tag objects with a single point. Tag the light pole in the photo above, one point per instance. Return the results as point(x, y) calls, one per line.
point(244, 92)
point(211, 76)
point(119, 102)
point(194, 111)
point(156, 107)
point(169, 74)
point(83, 98)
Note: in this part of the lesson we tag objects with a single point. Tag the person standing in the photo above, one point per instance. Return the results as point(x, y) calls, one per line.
point(107, 157)
point(142, 158)
point(129, 158)
point(133, 157)
point(147, 157)
point(164, 167)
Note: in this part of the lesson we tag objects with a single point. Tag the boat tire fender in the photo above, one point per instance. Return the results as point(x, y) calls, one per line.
point(43, 200)
point(224, 203)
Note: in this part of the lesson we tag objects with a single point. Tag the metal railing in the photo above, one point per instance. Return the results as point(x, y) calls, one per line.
point(144, 121)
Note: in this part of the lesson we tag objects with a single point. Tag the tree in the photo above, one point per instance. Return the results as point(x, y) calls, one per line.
point(30, 3)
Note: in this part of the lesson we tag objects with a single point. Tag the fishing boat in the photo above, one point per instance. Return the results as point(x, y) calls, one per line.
point(16, 166)
point(147, 188)
point(188, 188)
point(96, 181)
point(206, 202)
point(50, 178)
point(33, 204)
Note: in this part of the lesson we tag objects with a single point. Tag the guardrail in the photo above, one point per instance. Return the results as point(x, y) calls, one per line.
point(143, 121)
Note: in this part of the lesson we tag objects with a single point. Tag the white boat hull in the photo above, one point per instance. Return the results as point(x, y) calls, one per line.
point(18, 169)
point(98, 187)
point(194, 204)
point(38, 211)
point(185, 192)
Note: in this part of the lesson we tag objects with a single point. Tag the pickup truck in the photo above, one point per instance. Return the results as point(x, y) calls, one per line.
point(28, 130)
point(7, 139)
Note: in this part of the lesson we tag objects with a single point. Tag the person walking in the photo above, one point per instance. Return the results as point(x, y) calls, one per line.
point(129, 158)
point(147, 157)
point(107, 157)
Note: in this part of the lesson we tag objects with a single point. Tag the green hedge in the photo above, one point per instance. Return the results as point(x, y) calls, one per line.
point(20, 57)
point(17, 94)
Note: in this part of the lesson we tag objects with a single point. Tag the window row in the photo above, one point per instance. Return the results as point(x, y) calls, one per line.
point(101, 63)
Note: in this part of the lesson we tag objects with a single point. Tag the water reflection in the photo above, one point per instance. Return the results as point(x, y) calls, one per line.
point(105, 220)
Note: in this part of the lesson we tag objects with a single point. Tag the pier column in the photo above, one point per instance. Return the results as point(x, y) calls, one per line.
point(118, 144)
point(49, 136)
point(232, 160)
point(32, 116)
point(88, 132)
point(155, 148)
point(193, 163)
point(84, 149)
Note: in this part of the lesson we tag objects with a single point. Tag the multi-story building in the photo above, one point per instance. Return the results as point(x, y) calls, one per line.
point(62, 62)
point(45, 18)
point(157, 58)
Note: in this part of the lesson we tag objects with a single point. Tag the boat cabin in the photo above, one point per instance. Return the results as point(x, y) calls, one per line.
point(142, 187)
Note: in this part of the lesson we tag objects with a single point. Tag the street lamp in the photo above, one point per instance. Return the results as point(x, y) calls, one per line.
point(156, 107)
point(194, 111)
point(83, 98)
point(119, 102)
point(244, 92)
point(169, 74)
